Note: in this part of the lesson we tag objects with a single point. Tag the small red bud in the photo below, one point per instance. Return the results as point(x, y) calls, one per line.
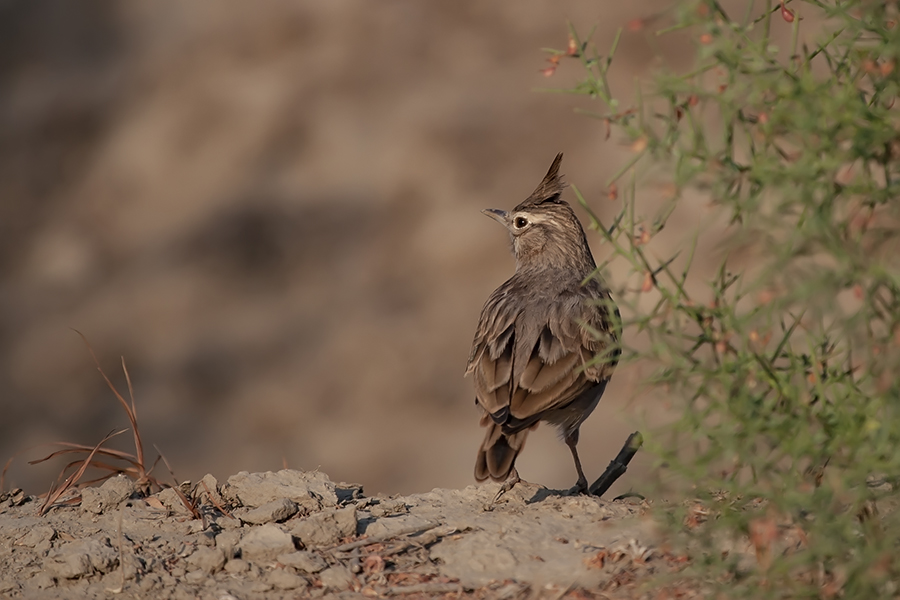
point(786, 13)
point(613, 192)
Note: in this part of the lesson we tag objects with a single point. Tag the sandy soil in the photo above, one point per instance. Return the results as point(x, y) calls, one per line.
point(292, 534)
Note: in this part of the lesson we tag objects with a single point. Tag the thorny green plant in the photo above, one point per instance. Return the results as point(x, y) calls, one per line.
point(784, 364)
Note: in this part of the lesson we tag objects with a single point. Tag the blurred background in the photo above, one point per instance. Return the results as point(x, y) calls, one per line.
point(271, 211)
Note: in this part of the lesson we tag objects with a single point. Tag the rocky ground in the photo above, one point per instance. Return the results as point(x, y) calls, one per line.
point(291, 534)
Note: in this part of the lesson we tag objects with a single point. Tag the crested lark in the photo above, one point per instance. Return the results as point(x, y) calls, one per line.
point(539, 333)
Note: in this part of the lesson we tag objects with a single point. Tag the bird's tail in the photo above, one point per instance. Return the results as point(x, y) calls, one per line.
point(497, 454)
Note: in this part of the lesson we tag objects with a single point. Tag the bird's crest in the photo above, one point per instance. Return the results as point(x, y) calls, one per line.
point(549, 190)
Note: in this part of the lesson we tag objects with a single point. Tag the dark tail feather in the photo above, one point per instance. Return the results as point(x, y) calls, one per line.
point(498, 453)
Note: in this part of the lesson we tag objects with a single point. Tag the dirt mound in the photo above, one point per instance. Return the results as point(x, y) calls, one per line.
point(298, 534)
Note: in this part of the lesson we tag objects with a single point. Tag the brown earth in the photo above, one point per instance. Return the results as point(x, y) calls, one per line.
point(293, 534)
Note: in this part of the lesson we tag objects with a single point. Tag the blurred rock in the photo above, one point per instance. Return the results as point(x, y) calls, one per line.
point(237, 565)
point(109, 495)
point(173, 502)
point(325, 528)
point(210, 483)
point(228, 541)
point(337, 578)
point(305, 562)
point(284, 580)
point(38, 538)
point(277, 510)
point(265, 543)
point(208, 560)
point(309, 490)
point(77, 559)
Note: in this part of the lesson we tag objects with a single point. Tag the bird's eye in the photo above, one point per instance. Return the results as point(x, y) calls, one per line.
point(520, 222)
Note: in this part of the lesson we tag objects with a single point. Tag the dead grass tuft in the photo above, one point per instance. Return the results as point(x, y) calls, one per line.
point(108, 461)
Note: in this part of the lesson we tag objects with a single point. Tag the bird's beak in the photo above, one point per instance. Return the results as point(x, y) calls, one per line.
point(497, 215)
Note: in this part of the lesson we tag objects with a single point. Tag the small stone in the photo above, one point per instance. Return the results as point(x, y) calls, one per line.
point(104, 558)
point(172, 501)
point(348, 492)
point(208, 560)
point(387, 526)
point(208, 481)
point(278, 511)
point(92, 500)
point(228, 523)
point(228, 541)
point(326, 528)
point(309, 489)
point(37, 536)
point(8, 586)
point(149, 582)
point(42, 581)
point(387, 508)
point(283, 580)
point(109, 495)
point(237, 565)
point(195, 576)
point(260, 587)
point(205, 538)
point(196, 526)
point(266, 542)
point(305, 562)
point(82, 558)
point(338, 577)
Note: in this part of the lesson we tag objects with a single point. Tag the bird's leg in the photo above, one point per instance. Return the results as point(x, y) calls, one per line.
point(581, 486)
point(510, 482)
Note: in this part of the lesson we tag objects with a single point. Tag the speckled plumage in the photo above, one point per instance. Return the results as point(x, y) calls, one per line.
point(539, 332)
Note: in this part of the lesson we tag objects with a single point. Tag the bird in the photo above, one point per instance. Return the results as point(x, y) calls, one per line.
point(547, 340)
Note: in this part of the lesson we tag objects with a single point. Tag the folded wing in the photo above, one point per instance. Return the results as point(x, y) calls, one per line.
point(537, 358)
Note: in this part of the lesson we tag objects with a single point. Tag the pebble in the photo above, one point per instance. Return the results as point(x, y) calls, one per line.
point(265, 542)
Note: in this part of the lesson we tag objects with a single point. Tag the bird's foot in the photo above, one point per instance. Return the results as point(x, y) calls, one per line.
point(580, 487)
point(510, 482)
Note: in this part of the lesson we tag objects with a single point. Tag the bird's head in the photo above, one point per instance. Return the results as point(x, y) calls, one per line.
point(544, 230)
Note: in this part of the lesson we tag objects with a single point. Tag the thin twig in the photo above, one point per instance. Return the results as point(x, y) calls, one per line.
point(121, 587)
point(191, 506)
point(618, 465)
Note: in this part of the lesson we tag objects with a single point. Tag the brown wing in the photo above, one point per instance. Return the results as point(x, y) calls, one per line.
point(535, 358)
point(492, 350)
